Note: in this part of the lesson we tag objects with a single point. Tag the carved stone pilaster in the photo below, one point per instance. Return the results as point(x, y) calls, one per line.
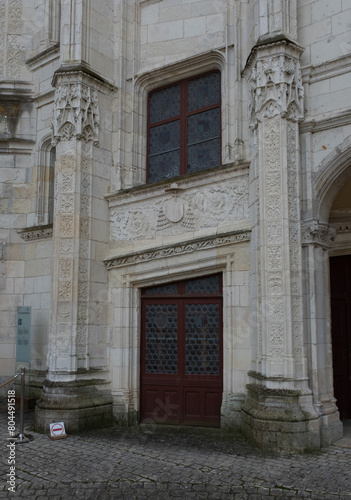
point(317, 233)
point(279, 400)
point(274, 78)
point(76, 319)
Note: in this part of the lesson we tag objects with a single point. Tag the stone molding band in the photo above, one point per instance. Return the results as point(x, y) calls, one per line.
point(183, 248)
point(38, 233)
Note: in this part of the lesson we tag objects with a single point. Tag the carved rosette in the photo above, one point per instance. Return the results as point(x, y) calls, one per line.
point(76, 112)
point(276, 84)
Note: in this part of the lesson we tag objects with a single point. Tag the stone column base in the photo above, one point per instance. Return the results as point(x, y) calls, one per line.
point(81, 404)
point(331, 428)
point(280, 420)
point(231, 411)
point(124, 412)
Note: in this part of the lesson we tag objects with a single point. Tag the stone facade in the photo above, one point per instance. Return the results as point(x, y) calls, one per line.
point(82, 232)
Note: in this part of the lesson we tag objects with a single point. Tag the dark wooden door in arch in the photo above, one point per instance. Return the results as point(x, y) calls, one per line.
point(340, 287)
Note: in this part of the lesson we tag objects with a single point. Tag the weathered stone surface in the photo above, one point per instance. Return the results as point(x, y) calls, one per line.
point(82, 232)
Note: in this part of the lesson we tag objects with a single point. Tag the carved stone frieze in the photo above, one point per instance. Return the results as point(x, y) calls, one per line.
point(182, 248)
point(317, 233)
point(276, 340)
point(275, 284)
point(274, 257)
point(84, 230)
point(273, 183)
point(37, 233)
point(273, 209)
point(85, 183)
point(62, 342)
point(85, 205)
point(64, 290)
point(76, 112)
point(193, 209)
point(276, 308)
point(83, 291)
point(67, 204)
point(66, 248)
point(82, 331)
point(67, 226)
point(82, 314)
point(275, 231)
point(67, 183)
point(67, 163)
point(276, 84)
point(65, 268)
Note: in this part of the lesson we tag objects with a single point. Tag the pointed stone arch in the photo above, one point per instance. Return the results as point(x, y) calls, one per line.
point(334, 171)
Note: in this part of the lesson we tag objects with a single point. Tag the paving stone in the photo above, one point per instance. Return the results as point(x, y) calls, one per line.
point(117, 464)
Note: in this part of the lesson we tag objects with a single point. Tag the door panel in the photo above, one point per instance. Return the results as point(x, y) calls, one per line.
point(212, 402)
point(181, 352)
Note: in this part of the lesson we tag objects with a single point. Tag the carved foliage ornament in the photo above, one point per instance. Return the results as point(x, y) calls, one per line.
point(76, 112)
point(276, 89)
point(317, 233)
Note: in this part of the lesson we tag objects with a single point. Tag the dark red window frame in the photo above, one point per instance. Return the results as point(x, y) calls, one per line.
point(183, 118)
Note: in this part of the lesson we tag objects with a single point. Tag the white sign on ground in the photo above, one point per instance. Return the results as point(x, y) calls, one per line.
point(57, 431)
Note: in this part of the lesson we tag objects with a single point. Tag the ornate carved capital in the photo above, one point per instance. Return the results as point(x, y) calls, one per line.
point(76, 112)
point(275, 84)
point(317, 233)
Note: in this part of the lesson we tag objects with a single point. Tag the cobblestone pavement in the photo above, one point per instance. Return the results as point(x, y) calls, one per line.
point(166, 463)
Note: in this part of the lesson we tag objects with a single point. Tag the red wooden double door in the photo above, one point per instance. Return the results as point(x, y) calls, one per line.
point(340, 285)
point(181, 352)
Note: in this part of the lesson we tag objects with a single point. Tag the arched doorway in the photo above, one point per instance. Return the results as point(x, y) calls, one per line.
point(340, 291)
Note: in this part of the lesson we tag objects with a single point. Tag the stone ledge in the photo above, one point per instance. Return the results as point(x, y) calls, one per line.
point(36, 232)
point(188, 246)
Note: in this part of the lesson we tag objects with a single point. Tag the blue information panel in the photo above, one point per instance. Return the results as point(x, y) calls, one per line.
point(23, 334)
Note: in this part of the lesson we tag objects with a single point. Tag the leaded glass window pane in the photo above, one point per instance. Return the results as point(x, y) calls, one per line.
point(203, 126)
point(161, 329)
point(169, 288)
point(201, 339)
point(203, 155)
point(164, 166)
point(164, 104)
point(210, 284)
point(203, 91)
point(164, 138)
